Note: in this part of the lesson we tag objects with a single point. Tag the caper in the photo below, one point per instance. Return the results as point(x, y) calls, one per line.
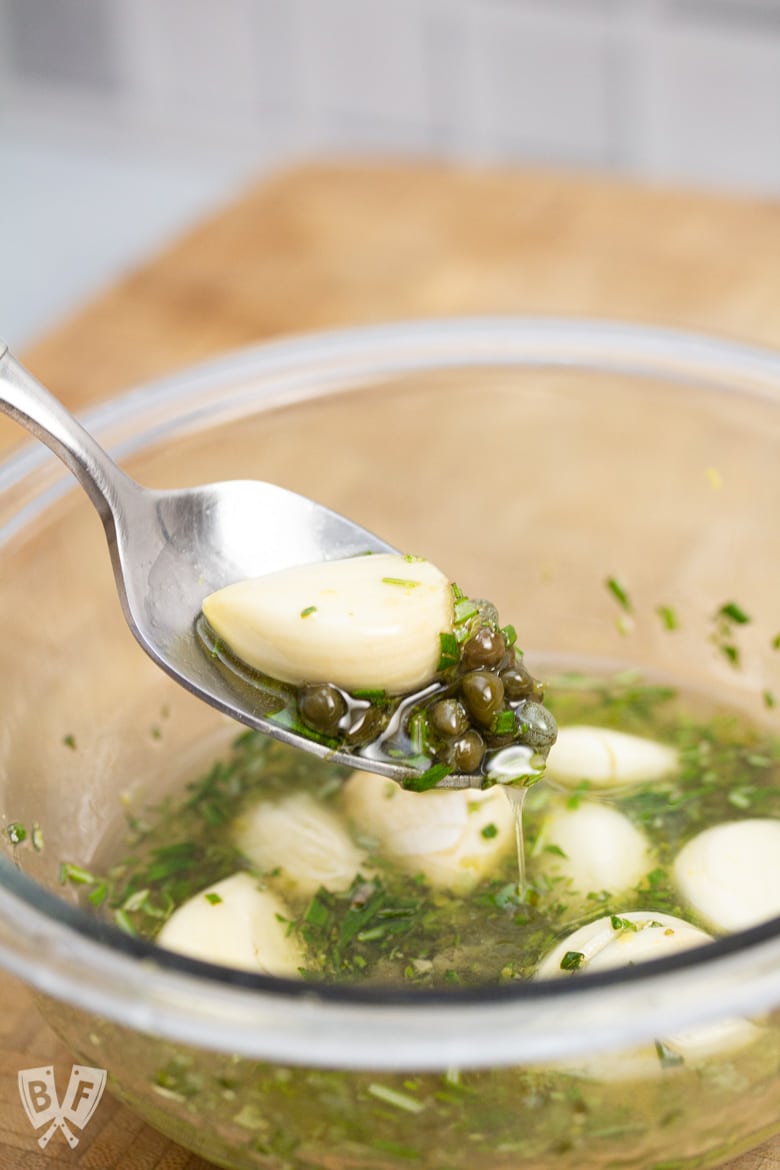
point(448, 717)
point(368, 725)
point(322, 707)
point(518, 683)
point(485, 648)
point(483, 694)
point(537, 726)
point(467, 752)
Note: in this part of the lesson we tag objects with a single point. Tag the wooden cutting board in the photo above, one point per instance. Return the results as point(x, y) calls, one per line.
point(334, 245)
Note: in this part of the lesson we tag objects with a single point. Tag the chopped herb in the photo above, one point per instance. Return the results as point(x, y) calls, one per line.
point(69, 741)
point(668, 617)
point(450, 651)
point(504, 723)
point(776, 642)
point(308, 610)
point(77, 875)
point(422, 781)
point(458, 594)
point(619, 592)
point(16, 833)
point(730, 652)
point(510, 634)
point(212, 898)
point(770, 699)
point(155, 732)
point(572, 961)
point(123, 922)
point(371, 695)
point(402, 581)
point(733, 613)
point(396, 1098)
point(555, 850)
point(464, 611)
point(619, 923)
point(666, 1056)
point(489, 831)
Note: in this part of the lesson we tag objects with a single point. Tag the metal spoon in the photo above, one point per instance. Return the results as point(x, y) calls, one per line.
point(170, 549)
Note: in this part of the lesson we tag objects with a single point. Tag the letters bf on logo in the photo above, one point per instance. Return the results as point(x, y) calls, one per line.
point(39, 1098)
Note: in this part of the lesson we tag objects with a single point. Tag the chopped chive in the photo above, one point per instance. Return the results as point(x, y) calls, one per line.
point(16, 833)
point(776, 642)
point(308, 610)
point(317, 912)
point(459, 595)
point(770, 699)
point(572, 961)
point(667, 1058)
point(464, 610)
point(422, 781)
point(98, 896)
point(510, 634)
point(123, 922)
point(733, 613)
point(668, 617)
point(394, 1097)
point(69, 741)
point(77, 875)
point(504, 723)
point(402, 581)
point(370, 694)
point(450, 651)
point(556, 851)
point(619, 923)
point(619, 592)
point(213, 899)
point(730, 652)
point(489, 831)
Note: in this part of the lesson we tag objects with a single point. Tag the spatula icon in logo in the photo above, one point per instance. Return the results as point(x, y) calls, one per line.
point(39, 1098)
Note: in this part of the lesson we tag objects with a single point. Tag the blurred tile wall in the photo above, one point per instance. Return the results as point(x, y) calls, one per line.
point(183, 99)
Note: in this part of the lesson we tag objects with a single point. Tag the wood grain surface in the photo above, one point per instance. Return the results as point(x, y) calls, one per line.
point(340, 244)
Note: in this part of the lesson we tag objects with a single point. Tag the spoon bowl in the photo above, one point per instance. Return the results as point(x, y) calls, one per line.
point(171, 549)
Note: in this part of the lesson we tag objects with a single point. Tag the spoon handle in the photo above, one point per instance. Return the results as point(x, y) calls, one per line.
point(27, 402)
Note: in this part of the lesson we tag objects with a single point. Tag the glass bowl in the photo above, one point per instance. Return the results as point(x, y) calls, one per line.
point(532, 460)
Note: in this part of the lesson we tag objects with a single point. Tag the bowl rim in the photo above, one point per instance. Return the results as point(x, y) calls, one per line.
point(67, 954)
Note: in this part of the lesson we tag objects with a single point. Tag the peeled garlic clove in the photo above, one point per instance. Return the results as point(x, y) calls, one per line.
point(454, 838)
point(636, 937)
point(608, 943)
point(235, 924)
point(371, 621)
point(308, 843)
point(730, 874)
point(602, 849)
point(607, 758)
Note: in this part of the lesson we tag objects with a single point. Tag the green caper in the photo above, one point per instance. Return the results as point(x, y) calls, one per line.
point(483, 694)
point(448, 717)
point(485, 648)
point(518, 683)
point(467, 752)
point(368, 725)
point(322, 707)
point(537, 726)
